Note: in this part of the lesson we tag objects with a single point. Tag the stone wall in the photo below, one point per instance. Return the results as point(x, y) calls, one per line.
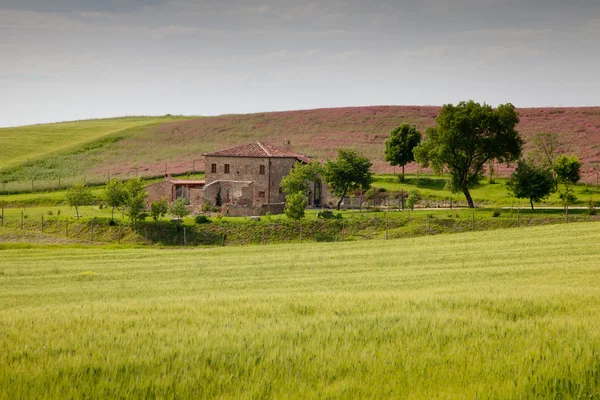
point(265, 188)
point(160, 190)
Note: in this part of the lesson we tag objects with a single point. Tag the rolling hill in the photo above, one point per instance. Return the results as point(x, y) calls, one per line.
point(128, 146)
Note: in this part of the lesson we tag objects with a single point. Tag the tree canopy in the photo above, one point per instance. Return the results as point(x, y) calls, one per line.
point(399, 147)
point(349, 170)
point(466, 137)
point(79, 195)
point(114, 195)
point(530, 181)
point(135, 197)
point(568, 172)
point(298, 179)
point(295, 203)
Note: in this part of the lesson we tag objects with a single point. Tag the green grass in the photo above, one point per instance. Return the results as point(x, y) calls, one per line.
point(465, 316)
point(433, 188)
point(62, 149)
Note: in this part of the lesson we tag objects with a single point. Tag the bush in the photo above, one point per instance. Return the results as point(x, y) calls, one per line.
point(202, 219)
point(50, 213)
point(413, 198)
point(497, 212)
point(591, 210)
point(328, 214)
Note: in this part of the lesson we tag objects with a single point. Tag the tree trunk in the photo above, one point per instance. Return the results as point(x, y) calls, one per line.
point(77, 211)
point(112, 215)
point(339, 203)
point(402, 179)
point(531, 202)
point(468, 196)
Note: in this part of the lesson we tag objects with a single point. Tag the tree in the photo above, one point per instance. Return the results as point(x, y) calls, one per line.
point(466, 137)
point(546, 148)
point(568, 172)
point(135, 198)
point(295, 203)
point(349, 171)
point(299, 177)
point(114, 195)
point(159, 209)
point(178, 208)
point(399, 147)
point(531, 182)
point(79, 195)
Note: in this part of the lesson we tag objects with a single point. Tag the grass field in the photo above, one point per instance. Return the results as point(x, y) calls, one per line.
point(55, 150)
point(476, 315)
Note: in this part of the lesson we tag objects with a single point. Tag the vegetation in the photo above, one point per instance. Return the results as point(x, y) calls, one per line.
point(568, 172)
point(158, 209)
point(179, 208)
point(425, 319)
point(531, 182)
point(350, 171)
point(466, 137)
point(295, 204)
point(114, 195)
point(79, 195)
point(399, 147)
point(135, 200)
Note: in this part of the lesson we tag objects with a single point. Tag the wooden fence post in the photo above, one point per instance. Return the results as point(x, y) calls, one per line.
point(146, 234)
point(429, 224)
point(386, 227)
point(300, 232)
point(92, 231)
point(67, 228)
point(473, 223)
point(2, 220)
point(42, 223)
point(119, 237)
point(21, 219)
point(184, 237)
point(518, 216)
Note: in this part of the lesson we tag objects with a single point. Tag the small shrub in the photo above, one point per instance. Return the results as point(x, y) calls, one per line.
point(328, 214)
point(50, 213)
point(219, 216)
point(497, 212)
point(413, 198)
point(202, 219)
point(58, 213)
point(591, 210)
point(325, 237)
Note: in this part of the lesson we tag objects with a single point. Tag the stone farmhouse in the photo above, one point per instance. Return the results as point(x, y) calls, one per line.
point(242, 180)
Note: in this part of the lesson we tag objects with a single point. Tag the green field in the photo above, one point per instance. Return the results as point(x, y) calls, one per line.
point(476, 315)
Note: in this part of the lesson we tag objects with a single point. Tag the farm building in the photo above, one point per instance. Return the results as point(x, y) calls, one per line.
point(243, 180)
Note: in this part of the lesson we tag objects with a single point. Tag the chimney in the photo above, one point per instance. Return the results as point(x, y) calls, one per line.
point(287, 144)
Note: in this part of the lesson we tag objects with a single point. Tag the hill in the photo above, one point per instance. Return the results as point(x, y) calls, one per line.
point(180, 144)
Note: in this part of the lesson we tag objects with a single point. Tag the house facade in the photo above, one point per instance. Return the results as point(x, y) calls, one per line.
point(243, 180)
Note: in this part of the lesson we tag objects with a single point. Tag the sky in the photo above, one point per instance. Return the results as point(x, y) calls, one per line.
point(77, 59)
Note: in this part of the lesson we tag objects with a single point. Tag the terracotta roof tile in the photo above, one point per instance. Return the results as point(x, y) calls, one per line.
point(259, 149)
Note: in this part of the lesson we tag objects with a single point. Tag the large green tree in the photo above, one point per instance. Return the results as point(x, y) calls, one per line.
point(349, 170)
point(530, 181)
point(466, 137)
point(399, 147)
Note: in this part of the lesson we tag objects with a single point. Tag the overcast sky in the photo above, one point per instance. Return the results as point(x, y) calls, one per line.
point(74, 59)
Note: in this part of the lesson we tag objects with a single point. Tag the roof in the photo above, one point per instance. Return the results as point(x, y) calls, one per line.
point(186, 182)
point(259, 149)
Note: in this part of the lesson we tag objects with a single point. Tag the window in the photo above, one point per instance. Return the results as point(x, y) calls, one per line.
point(226, 168)
point(261, 194)
point(213, 168)
point(262, 170)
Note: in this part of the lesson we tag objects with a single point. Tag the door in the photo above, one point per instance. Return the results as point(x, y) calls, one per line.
point(317, 194)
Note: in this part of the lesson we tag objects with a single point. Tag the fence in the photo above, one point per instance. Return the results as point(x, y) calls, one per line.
point(271, 231)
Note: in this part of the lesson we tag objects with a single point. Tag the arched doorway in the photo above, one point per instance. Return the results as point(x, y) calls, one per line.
point(317, 194)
